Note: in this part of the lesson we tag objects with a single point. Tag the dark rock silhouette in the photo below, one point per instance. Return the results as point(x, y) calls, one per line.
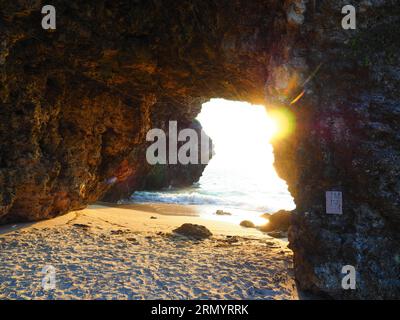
point(247, 224)
point(156, 177)
point(279, 221)
point(194, 231)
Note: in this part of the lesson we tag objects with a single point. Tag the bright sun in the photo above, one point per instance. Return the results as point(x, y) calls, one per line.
point(243, 160)
point(281, 123)
point(272, 125)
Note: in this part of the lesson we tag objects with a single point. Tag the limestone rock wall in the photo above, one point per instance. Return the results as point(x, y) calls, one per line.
point(346, 139)
point(145, 176)
point(77, 102)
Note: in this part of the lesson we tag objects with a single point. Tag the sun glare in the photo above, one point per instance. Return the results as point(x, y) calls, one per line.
point(242, 167)
point(281, 123)
point(274, 124)
point(273, 127)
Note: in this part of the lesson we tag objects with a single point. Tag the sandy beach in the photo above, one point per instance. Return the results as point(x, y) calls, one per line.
point(131, 252)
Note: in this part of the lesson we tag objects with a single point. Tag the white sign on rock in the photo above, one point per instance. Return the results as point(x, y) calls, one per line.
point(334, 202)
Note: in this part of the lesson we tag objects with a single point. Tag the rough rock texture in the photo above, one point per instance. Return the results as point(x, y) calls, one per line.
point(194, 231)
point(77, 102)
point(346, 139)
point(278, 221)
point(155, 177)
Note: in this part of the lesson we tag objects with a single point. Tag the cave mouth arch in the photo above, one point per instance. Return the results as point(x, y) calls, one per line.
point(240, 178)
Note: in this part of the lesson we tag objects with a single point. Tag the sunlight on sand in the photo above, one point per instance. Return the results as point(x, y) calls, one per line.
point(133, 253)
point(236, 217)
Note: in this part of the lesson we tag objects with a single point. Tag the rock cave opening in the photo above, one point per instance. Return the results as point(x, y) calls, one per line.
point(76, 104)
point(240, 177)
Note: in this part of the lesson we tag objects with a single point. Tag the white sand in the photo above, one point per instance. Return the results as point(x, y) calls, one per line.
point(125, 254)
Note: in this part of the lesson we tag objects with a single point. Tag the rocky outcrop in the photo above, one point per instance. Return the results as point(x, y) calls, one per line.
point(76, 104)
point(278, 221)
point(346, 139)
point(145, 176)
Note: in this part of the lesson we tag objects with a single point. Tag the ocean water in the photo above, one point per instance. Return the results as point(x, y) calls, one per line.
point(235, 193)
point(240, 178)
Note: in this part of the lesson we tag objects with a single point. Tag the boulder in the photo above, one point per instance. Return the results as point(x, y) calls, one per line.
point(194, 231)
point(279, 221)
point(156, 177)
point(247, 224)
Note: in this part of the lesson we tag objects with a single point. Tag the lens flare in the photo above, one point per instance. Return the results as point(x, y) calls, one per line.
point(281, 123)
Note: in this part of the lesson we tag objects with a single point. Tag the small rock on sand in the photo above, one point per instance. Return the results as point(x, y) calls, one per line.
point(233, 239)
point(222, 213)
point(277, 234)
point(193, 231)
point(247, 224)
point(119, 232)
point(81, 225)
point(133, 240)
